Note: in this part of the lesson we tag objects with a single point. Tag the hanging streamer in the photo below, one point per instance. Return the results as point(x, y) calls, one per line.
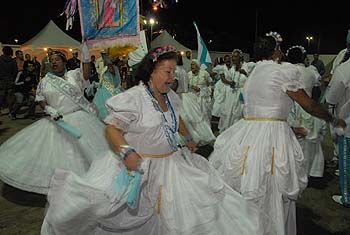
point(69, 11)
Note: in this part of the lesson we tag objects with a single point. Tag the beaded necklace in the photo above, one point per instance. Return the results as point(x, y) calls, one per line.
point(169, 130)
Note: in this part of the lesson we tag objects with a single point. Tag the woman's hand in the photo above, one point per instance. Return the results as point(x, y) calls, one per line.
point(340, 123)
point(300, 132)
point(196, 88)
point(132, 161)
point(192, 146)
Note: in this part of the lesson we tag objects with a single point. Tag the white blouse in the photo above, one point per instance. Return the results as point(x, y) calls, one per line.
point(133, 112)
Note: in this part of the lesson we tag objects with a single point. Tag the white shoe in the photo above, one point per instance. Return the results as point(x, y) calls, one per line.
point(337, 199)
point(336, 172)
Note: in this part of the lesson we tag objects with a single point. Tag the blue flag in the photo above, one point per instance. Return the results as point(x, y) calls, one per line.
point(203, 53)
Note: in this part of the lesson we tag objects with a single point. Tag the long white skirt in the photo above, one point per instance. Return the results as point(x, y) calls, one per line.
point(314, 157)
point(180, 194)
point(195, 121)
point(219, 97)
point(28, 159)
point(232, 108)
point(264, 162)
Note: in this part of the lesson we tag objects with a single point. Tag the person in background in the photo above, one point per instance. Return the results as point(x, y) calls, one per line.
point(27, 58)
point(93, 72)
point(8, 73)
point(109, 85)
point(309, 130)
point(24, 86)
point(37, 69)
point(19, 58)
point(181, 77)
point(319, 65)
point(338, 99)
point(341, 58)
point(191, 113)
point(232, 105)
point(74, 62)
point(187, 59)
point(45, 63)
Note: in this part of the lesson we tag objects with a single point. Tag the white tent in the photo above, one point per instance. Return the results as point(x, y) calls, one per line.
point(166, 39)
point(51, 36)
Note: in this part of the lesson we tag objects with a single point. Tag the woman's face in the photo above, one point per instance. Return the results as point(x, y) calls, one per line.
point(194, 68)
point(57, 64)
point(236, 58)
point(163, 76)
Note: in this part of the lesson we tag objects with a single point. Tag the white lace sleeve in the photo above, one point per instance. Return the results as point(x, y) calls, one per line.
point(122, 111)
point(291, 78)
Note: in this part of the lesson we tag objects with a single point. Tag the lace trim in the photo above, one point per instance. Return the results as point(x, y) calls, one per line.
point(118, 123)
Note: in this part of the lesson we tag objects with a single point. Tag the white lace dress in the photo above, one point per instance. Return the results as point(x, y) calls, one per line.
point(28, 159)
point(195, 110)
point(203, 97)
point(259, 156)
point(232, 105)
point(180, 193)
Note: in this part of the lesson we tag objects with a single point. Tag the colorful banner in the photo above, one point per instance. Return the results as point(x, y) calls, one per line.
point(107, 23)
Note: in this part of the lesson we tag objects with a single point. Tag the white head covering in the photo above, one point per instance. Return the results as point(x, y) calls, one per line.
point(195, 61)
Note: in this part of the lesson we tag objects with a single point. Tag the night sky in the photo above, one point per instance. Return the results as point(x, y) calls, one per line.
point(227, 26)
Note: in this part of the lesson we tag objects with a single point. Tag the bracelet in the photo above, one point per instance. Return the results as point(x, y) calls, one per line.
point(126, 150)
point(188, 138)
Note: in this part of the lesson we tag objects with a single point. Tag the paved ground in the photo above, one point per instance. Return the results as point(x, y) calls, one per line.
point(21, 213)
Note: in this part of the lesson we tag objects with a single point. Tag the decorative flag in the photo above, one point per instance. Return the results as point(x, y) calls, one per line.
point(106, 23)
point(203, 53)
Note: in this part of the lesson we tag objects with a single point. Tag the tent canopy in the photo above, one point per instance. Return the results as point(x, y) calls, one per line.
point(166, 39)
point(51, 36)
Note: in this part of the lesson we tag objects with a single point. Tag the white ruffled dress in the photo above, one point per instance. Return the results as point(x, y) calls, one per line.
point(259, 156)
point(28, 159)
point(181, 193)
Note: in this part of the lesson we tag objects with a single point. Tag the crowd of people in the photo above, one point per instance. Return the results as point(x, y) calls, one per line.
point(20, 76)
point(122, 160)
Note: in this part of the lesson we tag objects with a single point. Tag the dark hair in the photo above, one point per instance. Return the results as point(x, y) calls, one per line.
point(147, 65)
point(264, 47)
point(18, 52)
point(60, 54)
point(7, 50)
point(295, 56)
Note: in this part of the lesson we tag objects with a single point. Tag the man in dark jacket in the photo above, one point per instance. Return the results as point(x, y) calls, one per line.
point(24, 86)
point(8, 72)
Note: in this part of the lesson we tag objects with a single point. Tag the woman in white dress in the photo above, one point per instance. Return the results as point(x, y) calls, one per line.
point(219, 88)
point(191, 113)
point(259, 156)
point(28, 159)
point(200, 85)
point(310, 130)
point(232, 106)
point(180, 193)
